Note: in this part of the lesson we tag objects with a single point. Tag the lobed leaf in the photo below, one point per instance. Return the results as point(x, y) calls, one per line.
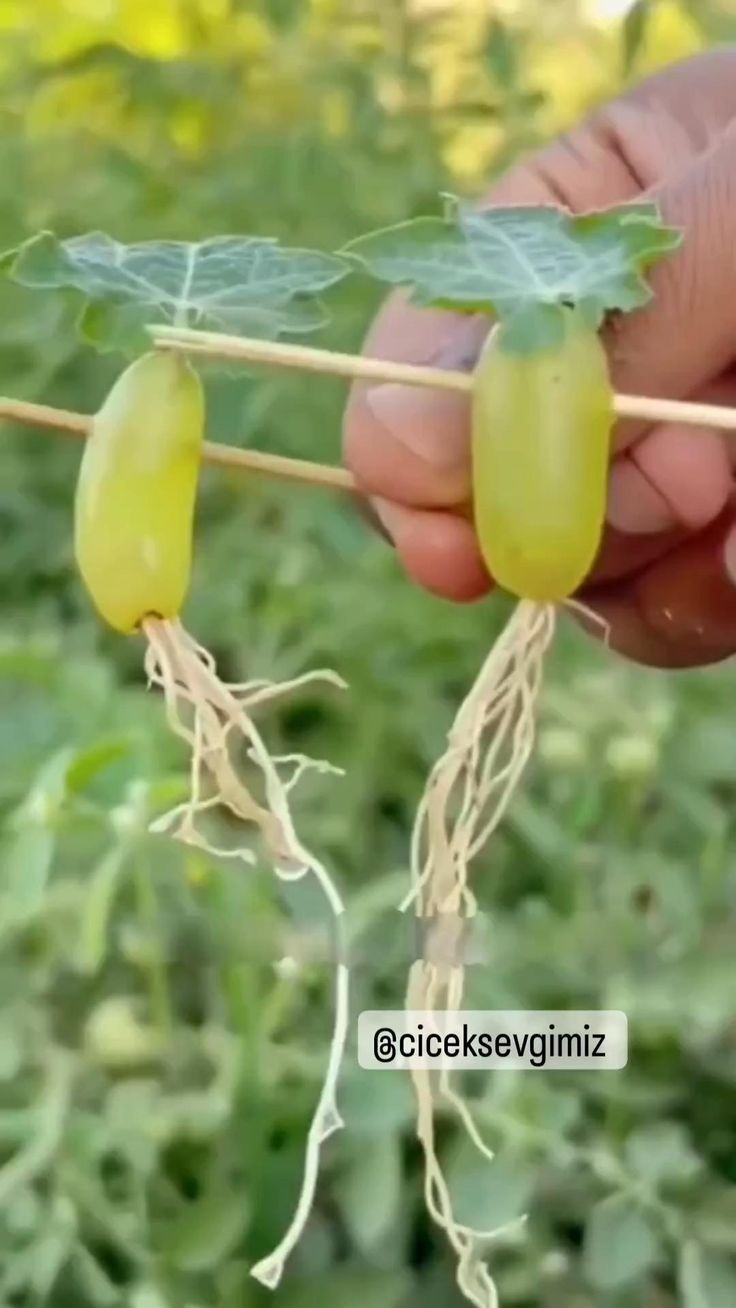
point(242, 284)
point(522, 263)
point(621, 1245)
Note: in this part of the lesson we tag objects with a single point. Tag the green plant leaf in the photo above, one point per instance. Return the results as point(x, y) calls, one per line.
point(87, 763)
point(49, 787)
point(206, 1231)
point(620, 1243)
point(522, 263)
point(488, 1195)
point(661, 1153)
point(373, 1104)
point(135, 1122)
point(26, 865)
point(706, 1279)
point(228, 283)
point(369, 1192)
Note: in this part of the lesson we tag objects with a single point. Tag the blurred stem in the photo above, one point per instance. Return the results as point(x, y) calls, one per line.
point(24, 1166)
point(155, 965)
point(252, 1115)
point(88, 1197)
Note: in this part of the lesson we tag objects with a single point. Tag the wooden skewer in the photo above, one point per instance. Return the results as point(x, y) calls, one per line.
point(305, 357)
point(223, 456)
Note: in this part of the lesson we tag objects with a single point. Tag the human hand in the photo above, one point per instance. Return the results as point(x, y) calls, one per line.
point(665, 579)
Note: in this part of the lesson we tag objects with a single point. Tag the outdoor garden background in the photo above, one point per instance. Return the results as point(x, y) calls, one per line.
point(158, 1065)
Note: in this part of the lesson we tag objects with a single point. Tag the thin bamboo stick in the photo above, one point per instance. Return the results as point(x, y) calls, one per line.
point(283, 354)
point(305, 357)
point(67, 423)
point(279, 354)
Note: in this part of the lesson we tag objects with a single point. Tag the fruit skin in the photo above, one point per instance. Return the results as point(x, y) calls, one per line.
point(136, 492)
point(540, 445)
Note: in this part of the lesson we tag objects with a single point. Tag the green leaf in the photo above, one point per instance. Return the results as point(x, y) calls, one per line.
point(371, 1104)
point(228, 283)
point(535, 327)
point(89, 762)
point(706, 1279)
point(26, 1215)
point(488, 1195)
point(135, 1122)
point(206, 1231)
point(522, 263)
point(369, 1193)
point(49, 788)
point(661, 1153)
point(109, 325)
point(26, 865)
point(620, 1243)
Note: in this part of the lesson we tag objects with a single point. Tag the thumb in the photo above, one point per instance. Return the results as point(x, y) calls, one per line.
point(687, 335)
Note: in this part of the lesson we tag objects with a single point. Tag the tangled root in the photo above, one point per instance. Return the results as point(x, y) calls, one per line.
point(467, 794)
point(213, 718)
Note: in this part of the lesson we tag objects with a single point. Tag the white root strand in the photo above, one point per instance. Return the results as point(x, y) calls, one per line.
point(467, 794)
point(186, 674)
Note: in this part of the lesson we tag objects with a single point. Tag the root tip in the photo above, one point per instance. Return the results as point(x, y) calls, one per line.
point(267, 1272)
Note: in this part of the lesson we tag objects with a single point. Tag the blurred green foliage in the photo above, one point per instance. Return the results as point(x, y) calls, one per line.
point(157, 1070)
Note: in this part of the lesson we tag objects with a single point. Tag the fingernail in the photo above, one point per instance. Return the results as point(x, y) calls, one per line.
point(367, 510)
point(729, 556)
point(391, 516)
point(432, 424)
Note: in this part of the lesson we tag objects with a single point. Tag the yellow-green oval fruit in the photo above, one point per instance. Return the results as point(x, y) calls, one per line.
point(541, 442)
point(136, 492)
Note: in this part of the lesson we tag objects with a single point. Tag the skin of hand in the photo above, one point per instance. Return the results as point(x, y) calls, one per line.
point(665, 579)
